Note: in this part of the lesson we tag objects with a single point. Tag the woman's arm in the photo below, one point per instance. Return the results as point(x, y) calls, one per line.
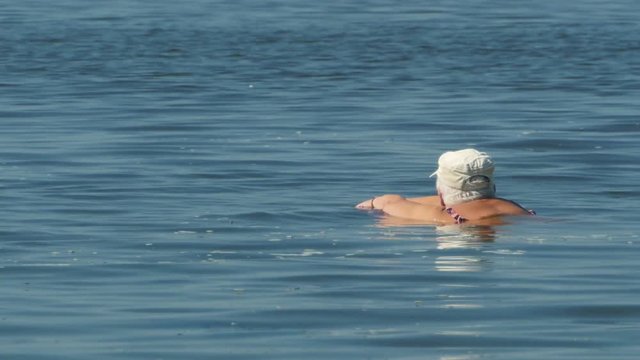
point(433, 200)
point(396, 205)
point(378, 202)
point(427, 200)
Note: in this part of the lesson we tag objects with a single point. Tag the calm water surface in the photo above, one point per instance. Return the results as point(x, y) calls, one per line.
point(177, 180)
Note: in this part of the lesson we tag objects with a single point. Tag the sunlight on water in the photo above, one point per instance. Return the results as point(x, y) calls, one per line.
point(460, 263)
point(177, 179)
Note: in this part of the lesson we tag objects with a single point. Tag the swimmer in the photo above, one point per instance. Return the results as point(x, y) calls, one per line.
point(465, 194)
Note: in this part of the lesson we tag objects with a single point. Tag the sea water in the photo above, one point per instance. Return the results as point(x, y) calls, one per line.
point(177, 179)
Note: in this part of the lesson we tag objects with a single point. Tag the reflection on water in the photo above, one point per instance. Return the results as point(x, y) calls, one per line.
point(456, 236)
point(473, 233)
point(462, 357)
point(457, 296)
point(448, 237)
point(461, 264)
point(461, 237)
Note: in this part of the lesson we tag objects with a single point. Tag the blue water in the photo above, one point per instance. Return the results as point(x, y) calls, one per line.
point(177, 179)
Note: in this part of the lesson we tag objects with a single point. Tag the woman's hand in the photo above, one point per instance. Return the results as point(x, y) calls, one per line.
point(378, 202)
point(366, 205)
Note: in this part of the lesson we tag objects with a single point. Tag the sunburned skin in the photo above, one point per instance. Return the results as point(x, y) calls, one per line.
point(465, 194)
point(429, 209)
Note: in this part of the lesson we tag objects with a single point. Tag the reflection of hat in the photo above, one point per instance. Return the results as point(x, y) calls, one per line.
point(466, 170)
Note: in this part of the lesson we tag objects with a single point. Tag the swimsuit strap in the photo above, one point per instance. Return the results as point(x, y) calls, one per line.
point(457, 217)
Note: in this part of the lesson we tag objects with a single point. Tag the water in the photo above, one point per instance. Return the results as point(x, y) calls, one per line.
point(177, 179)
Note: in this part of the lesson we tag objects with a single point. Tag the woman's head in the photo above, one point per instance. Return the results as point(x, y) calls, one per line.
point(464, 175)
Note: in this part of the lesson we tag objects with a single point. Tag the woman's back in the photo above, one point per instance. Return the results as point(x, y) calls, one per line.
point(488, 208)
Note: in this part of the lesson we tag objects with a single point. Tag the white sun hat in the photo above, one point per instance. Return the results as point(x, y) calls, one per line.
point(465, 170)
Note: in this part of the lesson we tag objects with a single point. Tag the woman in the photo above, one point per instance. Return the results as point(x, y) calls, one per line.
point(466, 194)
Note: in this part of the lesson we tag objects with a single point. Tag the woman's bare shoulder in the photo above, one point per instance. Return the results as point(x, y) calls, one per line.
point(426, 200)
point(484, 208)
point(511, 207)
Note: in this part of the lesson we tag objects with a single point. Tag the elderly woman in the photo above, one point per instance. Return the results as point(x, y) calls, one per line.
point(466, 194)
